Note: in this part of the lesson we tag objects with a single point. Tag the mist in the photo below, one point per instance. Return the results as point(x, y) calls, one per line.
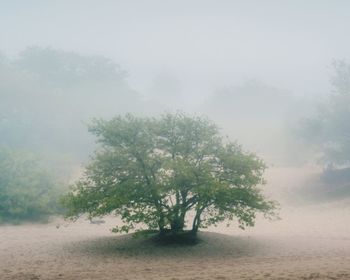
point(273, 75)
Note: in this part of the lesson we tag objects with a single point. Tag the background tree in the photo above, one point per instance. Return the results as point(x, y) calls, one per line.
point(47, 95)
point(328, 132)
point(168, 173)
point(27, 191)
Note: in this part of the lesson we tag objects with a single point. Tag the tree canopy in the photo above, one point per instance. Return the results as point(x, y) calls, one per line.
point(168, 174)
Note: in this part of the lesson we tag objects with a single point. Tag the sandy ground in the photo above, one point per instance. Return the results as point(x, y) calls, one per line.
point(309, 242)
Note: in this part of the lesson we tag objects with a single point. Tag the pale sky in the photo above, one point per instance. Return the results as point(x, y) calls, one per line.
point(203, 44)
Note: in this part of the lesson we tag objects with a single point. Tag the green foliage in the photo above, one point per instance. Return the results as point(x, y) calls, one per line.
point(27, 191)
point(167, 172)
point(329, 131)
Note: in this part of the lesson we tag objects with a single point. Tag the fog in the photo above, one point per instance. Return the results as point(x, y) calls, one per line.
point(274, 75)
point(180, 56)
point(257, 69)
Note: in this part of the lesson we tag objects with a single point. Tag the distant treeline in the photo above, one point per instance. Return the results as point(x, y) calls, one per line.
point(47, 97)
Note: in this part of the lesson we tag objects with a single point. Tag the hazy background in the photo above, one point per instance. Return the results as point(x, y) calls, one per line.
point(257, 68)
point(188, 54)
point(202, 45)
point(273, 74)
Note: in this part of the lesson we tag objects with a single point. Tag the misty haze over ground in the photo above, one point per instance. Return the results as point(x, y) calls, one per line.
point(264, 71)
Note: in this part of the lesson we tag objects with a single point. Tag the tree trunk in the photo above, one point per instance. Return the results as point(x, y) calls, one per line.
point(178, 219)
point(177, 225)
point(197, 220)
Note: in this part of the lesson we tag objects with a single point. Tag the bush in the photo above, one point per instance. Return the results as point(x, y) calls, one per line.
point(27, 191)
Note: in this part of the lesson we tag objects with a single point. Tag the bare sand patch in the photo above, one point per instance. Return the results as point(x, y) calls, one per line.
point(84, 251)
point(309, 242)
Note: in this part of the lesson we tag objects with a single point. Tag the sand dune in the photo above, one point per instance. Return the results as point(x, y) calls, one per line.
point(309, 242)
point(84, 251)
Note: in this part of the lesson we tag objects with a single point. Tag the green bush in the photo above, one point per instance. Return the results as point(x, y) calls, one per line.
point(28, 192)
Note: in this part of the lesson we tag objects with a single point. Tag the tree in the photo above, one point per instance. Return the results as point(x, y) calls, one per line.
point(27, 191)
point(328, 131)
point(71, 88)
point(168, 173)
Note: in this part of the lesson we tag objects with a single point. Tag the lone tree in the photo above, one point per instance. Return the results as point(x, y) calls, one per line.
point(168, 174)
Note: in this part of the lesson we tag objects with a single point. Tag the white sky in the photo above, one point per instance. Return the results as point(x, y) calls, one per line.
point(204, 44)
